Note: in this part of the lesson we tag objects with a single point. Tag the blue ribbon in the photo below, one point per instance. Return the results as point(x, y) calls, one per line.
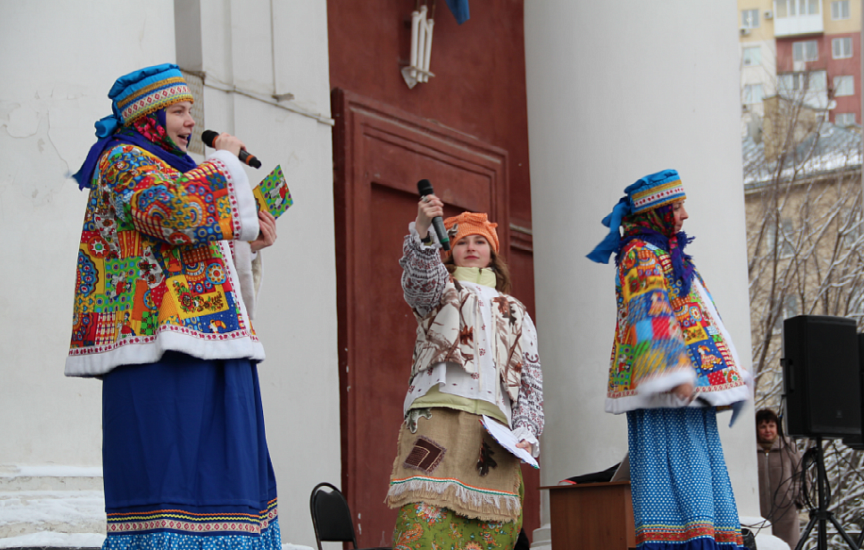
point(460, 10)
point(611, 242)
point(105, 128)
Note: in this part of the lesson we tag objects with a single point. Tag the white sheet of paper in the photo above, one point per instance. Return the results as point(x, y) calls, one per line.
point(506, 439)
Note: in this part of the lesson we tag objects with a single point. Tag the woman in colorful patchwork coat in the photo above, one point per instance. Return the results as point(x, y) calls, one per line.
point(475, 354)
point(673, 364)
point(164, 299)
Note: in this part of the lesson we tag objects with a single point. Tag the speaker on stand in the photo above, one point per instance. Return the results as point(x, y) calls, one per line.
point(857, 441)
point(822, 384)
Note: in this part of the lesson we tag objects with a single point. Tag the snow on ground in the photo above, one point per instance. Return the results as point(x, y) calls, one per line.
point(764, 539)
point(41, 506)
point(54, 540)
point(51, 471)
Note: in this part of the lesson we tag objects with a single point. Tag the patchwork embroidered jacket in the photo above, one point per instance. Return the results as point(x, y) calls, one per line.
point(445, 335)
point(448, 317)
point(156, 269)
point(663, 339)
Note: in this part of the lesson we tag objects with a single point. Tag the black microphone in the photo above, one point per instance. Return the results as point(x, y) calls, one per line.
point(209, 136)
point(425, 188)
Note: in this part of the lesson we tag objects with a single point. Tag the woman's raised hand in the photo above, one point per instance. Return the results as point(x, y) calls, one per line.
point(429, 207)
point(227, 142)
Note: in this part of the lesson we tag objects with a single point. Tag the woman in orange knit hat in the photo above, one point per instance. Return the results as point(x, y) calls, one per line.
point(475, 354)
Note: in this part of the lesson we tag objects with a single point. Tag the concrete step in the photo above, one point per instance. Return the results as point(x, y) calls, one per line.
point(51, 506)
point(52, 541)
point(50, 478)
point(26, 512)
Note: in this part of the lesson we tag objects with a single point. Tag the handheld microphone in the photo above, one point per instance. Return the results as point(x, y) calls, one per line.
point(209, 136)
point(425, 188)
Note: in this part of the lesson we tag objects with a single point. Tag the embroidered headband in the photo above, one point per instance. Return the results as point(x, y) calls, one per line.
point(650, 192)
point(471, 223)
point(142, 92)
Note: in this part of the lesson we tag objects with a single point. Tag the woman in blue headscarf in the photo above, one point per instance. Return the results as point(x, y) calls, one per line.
point(164, 302)
point(673, 364)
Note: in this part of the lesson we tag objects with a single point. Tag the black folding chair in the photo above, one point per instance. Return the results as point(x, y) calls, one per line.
point(331, 517)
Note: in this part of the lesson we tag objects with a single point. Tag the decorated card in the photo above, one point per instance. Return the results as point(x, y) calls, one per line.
point(272, 193)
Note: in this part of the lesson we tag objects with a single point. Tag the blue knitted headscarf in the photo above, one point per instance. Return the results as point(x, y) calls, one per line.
point(138, 102)
point(646, 213)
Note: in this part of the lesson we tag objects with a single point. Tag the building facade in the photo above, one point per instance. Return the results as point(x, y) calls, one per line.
point(508, 124)
point(802, 48)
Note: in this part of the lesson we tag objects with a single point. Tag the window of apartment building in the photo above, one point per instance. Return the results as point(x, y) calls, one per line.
point(786, 236)
point(805, 51)
point(817, 81)
point(752, 56)
point(840, 10)
point(844, 85)
point(752, 93)
point(851, 221)
point(789, 308)
point(841, 47)
point(844, 119)
point(791, 82)
point(749, 19)
point(792, 8)
point(814, 81)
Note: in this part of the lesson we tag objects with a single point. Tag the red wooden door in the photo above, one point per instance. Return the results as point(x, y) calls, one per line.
point(381, 153)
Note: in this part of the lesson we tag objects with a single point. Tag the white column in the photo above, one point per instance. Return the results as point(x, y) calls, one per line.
point(615, 92)
point(251, 51)
point(58, 61)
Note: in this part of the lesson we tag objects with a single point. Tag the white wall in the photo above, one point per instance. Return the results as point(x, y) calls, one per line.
point(58, 59)
point(661, 92)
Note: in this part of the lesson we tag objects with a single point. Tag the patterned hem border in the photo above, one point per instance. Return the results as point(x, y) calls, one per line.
point(165, 328)
point(692, 531)
point(454, 481)
point(192, 523)
point(712, 389)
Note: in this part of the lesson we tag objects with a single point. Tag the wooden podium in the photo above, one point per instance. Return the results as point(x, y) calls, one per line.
point(592, 516)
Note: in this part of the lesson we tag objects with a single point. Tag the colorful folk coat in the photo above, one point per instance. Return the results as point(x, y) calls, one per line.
point(156, 269)
point(663, 339)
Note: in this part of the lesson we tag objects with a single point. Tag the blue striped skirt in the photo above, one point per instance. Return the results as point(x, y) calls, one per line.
point(185, 457)
point(682, 497)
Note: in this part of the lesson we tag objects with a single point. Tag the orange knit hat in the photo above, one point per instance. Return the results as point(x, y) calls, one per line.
point(471, 223)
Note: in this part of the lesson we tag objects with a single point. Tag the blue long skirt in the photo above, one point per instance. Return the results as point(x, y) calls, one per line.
point(185, 458)
point(682, 497)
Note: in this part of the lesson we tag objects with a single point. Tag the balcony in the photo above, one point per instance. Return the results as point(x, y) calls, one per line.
point(797, 17)
point(799, 24)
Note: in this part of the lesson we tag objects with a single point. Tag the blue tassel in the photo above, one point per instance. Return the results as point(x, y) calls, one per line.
point(609, 244)
point(460, 10)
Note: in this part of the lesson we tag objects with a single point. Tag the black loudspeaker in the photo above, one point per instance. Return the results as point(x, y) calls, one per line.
point(821, 376)
point(857, 441)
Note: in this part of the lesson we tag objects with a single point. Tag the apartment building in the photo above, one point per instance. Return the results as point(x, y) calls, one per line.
point(802, 49)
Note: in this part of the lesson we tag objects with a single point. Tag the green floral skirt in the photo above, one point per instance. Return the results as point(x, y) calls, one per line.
point(421, 526)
